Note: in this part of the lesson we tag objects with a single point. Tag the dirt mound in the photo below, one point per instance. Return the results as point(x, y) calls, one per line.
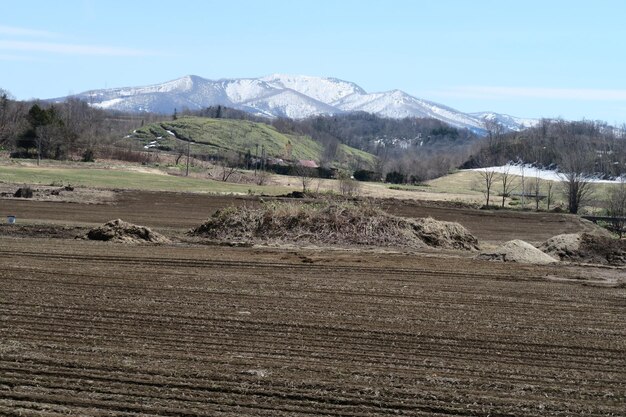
point(121, 231)
point(517, 251)
point(441, 234)
point(587, 248)
point(333, 224)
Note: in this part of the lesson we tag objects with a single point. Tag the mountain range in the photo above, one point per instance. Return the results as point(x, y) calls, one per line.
point(293, 96)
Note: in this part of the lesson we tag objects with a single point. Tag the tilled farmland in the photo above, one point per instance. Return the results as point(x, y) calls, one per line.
point(94, 328)
point(99, 329)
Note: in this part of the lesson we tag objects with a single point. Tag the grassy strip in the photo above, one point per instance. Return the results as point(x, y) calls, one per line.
point(123, 179)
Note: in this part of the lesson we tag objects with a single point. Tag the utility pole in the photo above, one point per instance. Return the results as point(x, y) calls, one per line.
point(188, 149)
point(256, 159)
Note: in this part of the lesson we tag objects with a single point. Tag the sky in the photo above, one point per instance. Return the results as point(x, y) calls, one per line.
point(528, 58)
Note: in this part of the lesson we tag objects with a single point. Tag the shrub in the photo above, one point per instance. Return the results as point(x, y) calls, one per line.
point(395, 177)
point(365, 175)
point(24, 192)
point(88, 156)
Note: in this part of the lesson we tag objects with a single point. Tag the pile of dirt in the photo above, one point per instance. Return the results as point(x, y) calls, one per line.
point(517, 251)
point(121, 231)
point(586, 247)
point(331, 223)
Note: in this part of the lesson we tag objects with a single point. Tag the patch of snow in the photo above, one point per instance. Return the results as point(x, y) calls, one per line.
point(529, 171)
point(109, 104)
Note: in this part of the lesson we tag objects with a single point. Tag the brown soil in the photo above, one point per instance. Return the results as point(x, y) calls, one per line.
point(517, 251)
point(110, 330)
point(180, 211)
point(497, 226)
point(52, 231)
point(587, 247)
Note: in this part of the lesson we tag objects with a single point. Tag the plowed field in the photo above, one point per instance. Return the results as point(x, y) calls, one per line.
point(91, 328)
point(183, 211)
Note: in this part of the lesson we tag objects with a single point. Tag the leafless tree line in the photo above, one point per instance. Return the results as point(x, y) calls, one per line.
point(71, 129)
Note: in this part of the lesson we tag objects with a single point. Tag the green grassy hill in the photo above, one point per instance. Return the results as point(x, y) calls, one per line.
point(219, 136)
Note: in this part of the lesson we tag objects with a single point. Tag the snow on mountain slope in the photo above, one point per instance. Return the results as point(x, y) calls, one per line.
point(398, 104)
point(326, 90)
point(509, 122)
point(241, 90)
point(279, 95)
point(288, 103)
point(190, 91)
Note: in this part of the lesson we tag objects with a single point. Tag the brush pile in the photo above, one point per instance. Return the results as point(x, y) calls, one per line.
point(332, 223)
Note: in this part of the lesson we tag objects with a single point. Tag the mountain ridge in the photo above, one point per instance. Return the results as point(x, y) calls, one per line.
point(283, 95)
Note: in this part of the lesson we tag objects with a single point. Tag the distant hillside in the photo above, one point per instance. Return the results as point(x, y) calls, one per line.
point(219, 136)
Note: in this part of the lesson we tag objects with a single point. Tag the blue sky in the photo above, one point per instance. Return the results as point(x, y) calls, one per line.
point(524, 58)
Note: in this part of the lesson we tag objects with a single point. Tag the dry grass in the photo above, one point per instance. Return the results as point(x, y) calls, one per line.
point(333, 223)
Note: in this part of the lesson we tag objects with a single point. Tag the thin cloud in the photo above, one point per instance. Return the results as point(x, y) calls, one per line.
point(70, 49)
point(498, 92)
point(9, 57)
point(15, 31)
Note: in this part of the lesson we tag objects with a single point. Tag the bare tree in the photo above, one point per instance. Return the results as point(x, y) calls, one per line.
point(577, 189)
point(488, 177)
point(262, 178)
point(495, 131)
point(180, 150)
point(616, 206)
point(330, 152)
point(537, 190)
point(348, 187)
point(304, 175)
point(506, 179)
point(549, 186)
point(228, 165)
point(576, 183)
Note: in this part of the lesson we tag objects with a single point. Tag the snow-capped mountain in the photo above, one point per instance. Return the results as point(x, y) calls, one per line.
point(509, 122)
point(279, 95)
point(398, 104)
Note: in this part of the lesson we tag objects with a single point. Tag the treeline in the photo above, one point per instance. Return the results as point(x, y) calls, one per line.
point(409, 150)
point(593, 147)
point(68, 130)
point(223, 112)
